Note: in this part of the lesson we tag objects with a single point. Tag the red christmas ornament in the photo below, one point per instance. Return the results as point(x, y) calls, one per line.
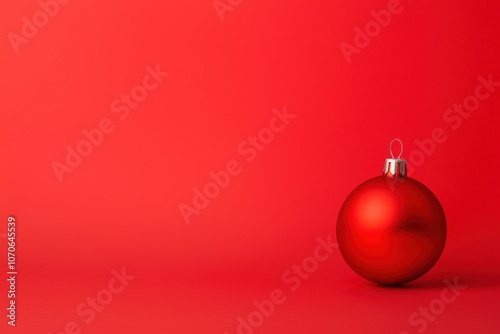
point(391, 229)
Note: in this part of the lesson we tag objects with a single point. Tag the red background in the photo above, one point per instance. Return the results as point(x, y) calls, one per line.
point(119, 208)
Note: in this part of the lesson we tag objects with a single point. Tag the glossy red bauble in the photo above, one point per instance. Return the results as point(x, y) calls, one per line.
point(391, 229)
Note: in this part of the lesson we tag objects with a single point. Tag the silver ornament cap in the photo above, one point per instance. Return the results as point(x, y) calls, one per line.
point(395, 166)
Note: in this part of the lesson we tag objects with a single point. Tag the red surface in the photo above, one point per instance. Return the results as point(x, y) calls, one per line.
point(119, 207)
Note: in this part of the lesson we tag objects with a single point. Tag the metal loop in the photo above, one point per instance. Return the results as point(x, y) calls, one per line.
point(390, 147)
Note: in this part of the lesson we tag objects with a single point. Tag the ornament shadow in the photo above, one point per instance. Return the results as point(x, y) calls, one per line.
point(437, 281)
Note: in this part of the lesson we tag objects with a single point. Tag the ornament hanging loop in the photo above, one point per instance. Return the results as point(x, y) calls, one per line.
point(401, 145)
point(395, 166)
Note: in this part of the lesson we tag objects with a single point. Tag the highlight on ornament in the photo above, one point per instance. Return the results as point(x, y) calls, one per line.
point(391, 229)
